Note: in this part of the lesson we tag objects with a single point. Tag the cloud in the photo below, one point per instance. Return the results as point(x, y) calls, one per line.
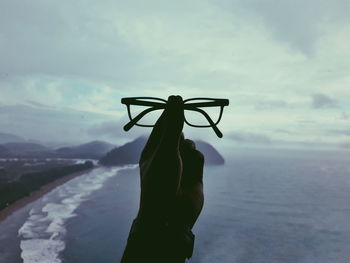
point(87, 55)
point(345, 132)
point(38, 104)
point(344, 116)
point(114, 130)
point(300, 24)
point(306, 144)
point(46, 124)
point(271, 104)
point(247, 137)
point(345, 145)
point(109, 128)
point(284, 131)
point(320, 101)
point(58, 38)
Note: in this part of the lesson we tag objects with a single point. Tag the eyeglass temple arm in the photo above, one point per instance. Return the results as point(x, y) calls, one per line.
point(212, 124)
point(133, 121)
point(206, 104)
point(144, 103)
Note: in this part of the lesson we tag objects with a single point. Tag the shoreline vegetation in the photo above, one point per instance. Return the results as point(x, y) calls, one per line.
point(33, 192)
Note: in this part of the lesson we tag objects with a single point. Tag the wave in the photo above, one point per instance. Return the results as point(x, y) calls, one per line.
point(42, 234)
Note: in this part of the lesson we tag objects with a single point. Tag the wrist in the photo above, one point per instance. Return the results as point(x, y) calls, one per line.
point(163, 237)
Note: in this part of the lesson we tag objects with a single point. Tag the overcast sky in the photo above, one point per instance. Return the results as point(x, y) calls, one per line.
point(284, 65)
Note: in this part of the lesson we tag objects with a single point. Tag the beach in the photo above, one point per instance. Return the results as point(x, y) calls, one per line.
point(37, 194)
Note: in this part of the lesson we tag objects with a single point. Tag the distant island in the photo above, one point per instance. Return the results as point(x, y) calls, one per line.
point(129, 153)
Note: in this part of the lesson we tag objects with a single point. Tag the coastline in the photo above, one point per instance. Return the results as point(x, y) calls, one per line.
point(35, 195)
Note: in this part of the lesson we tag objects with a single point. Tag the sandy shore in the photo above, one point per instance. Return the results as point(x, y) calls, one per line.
point(37, 194)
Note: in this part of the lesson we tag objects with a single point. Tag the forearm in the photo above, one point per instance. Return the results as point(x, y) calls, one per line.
point(157, 243)
point(135, 253)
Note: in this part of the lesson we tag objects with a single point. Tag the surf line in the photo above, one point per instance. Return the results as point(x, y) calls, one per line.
point(42, 234)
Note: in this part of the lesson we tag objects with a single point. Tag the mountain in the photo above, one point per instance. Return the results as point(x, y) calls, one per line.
point(212, 156)
point(94, 150)
point(91, 150)
point(8, 137)
point(24, 148)
point(4, 152)
point(127, 154)
point(130, 153)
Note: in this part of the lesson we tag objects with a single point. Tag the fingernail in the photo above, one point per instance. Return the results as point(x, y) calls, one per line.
point(175, 100)
point(171, 99)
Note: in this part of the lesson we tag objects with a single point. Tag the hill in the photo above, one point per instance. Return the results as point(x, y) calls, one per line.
point(130, 153)
point(212, 156)
point(4, 152)
point(127, 154)
point(24, 149)
point(8, 137)
point(94, 150)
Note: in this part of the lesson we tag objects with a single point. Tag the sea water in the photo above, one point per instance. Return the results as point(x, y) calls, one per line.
point(276, 206)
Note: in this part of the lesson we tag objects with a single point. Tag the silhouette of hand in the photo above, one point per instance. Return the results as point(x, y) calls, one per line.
point(171, 171)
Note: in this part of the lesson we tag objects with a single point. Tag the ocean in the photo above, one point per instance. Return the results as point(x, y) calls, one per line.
point(261, 206)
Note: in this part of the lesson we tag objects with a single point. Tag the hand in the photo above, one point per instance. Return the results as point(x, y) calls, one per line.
point(171, 171)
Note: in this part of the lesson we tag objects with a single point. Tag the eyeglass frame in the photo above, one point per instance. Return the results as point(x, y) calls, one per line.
point(162, 105)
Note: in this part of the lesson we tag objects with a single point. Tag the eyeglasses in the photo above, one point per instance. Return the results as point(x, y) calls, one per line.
point(199, 112)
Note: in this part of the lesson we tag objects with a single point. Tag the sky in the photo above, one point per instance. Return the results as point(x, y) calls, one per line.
point(284, 66)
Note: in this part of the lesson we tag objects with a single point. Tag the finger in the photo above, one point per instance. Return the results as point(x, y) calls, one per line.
point(188, 144)
point(155, 136)
point(193, 162)
point(193, 168)
point(165, 127)
point(174, 122)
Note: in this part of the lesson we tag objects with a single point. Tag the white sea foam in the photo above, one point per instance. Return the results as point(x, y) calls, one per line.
point(43, 232)
point(41, 250)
